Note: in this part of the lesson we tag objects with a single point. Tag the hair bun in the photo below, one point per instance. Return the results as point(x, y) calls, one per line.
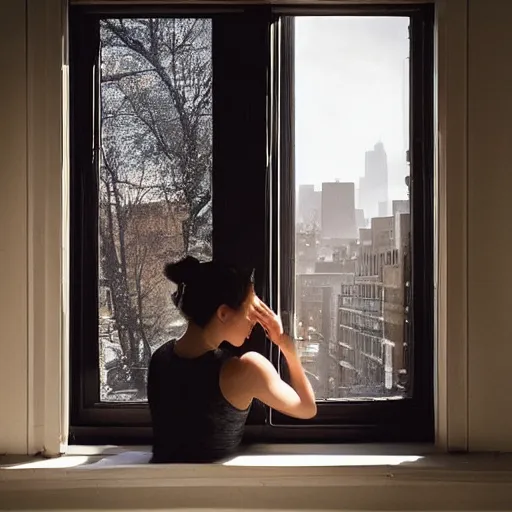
point(183, 271)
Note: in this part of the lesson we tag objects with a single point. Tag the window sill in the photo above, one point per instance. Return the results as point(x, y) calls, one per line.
point(305, 477)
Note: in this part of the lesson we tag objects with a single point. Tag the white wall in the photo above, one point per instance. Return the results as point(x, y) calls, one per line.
point(13, 228)
point(32, 167)
point(490, 224)
point(475, 342)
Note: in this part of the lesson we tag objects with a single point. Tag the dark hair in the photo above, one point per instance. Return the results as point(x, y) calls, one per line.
point(203, 287)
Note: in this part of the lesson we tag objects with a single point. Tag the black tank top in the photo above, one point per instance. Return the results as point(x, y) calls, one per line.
point(192, 421)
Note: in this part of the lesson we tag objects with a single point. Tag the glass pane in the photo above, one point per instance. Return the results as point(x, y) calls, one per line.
point(155, 185)
point(352, 218)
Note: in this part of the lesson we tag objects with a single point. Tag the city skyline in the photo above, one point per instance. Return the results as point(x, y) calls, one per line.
point(352, 299)
point(351, 92)
point(371, 198)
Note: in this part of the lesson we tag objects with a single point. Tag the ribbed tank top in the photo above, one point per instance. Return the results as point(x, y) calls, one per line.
point(192, 421)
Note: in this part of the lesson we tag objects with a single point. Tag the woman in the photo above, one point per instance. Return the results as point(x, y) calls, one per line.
point(199, 395)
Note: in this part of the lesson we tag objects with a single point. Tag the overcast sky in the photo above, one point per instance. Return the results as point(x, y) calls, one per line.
point(351, 91)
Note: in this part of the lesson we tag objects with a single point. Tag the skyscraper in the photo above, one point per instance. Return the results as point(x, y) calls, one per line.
point(309, 205)
point(373, 186)
point(304, 202)
point(338, 211)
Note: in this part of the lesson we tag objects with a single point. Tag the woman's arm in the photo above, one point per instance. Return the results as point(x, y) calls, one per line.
point(262, 379)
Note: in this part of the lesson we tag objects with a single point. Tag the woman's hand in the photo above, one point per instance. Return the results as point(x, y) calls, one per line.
point(262, 380)
point(270, 322)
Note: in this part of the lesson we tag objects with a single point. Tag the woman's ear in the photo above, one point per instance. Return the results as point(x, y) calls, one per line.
point(224, 313)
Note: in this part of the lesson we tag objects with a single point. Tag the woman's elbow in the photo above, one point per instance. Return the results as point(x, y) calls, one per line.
point(309, 412)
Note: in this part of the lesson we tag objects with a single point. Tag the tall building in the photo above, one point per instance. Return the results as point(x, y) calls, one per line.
point(338, 211)
point(373, 334)
point(316, 328)
point(309, 205)
point(373, 186)
point(382, 233)
point(400, 206)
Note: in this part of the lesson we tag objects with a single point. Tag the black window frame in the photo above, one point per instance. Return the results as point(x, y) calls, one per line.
point(245, 225)
point(235, 79)
point(412, 418)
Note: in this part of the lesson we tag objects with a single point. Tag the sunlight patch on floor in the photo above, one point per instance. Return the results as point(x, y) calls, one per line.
point(322, 460)
point(57, 463)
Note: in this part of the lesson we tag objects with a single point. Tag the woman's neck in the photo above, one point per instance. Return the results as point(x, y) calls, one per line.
point(195, 342)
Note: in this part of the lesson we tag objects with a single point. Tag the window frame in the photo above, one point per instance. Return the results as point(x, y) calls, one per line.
point(408, 419)
point(92, 420)
point(270, 162)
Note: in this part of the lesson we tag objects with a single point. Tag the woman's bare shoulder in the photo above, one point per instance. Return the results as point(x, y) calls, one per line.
point(251, 370)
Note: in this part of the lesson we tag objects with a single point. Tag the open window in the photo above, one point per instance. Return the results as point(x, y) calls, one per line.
point(295, 141)
point(353, 181)
point(168, 158)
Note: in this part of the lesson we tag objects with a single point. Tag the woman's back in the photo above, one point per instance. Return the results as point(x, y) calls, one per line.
point(196, 391)
point(192, 421)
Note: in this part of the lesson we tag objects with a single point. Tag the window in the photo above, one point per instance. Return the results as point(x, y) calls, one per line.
point(155, 175)
point(354, 104)
point(288, 152)
point(155, 194)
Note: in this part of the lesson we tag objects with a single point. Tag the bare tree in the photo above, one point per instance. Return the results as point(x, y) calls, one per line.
point(169, 91)
point(155, 189)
